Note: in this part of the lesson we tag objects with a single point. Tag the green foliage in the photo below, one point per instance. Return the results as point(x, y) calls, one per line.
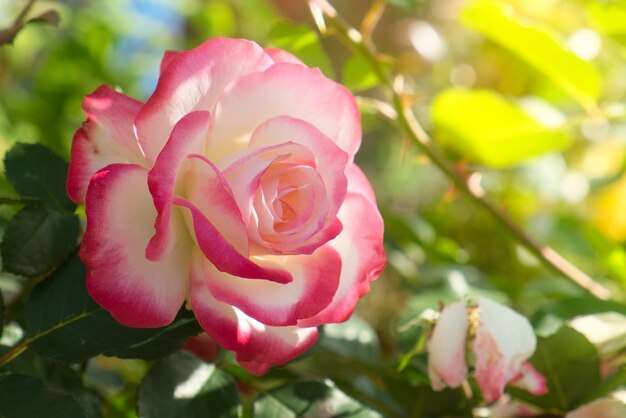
point(24, 396)
point(535, 44)
point(303, 42)
point(65, 324)
point(184, 386)
point(309, 398)
point(358, 75)
point(571, 366)
point(484, 126)
point(37, 240)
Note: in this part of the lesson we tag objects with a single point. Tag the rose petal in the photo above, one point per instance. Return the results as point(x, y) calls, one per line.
point(187, 137)
point(361, 250)
point(120, 214)
point(192, 81)
point(168, 57)
point(280, 55)
point(315, 280)
point(234, 330)
point(531, 380)
point(284, 89)
point(504, 340)
point(446, 348)
point(600, 408)
point(106, 137)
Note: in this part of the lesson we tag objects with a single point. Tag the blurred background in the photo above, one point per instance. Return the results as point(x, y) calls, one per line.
point(530, 93)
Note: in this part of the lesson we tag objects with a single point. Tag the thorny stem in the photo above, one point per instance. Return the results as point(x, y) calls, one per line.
point(328, 20)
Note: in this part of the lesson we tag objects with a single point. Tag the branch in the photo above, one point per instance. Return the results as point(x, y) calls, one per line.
point(328, 20)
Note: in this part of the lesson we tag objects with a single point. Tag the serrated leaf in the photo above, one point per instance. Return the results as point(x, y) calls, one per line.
point(490, 129)
point(184, 386)
point(309, 399)
point(64, 324)
point(571, 366)
point(24, 396)
point(303, 42)
point(537, 45)
point(37, 240)
point(36, 172)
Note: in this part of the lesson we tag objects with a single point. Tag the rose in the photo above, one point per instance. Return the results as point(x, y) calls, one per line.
point(501, 341)
point(233, 188)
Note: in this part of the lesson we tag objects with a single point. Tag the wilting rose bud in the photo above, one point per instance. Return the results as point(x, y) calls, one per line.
point(501, 341)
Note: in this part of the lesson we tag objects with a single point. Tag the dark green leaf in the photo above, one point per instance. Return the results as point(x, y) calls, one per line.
point(36, 172)
point(65, 324)
point(309, 399)
point(497, 132)
point(184, 386)
point(24, 396)
point(303, 42)
point(37, 240)
point(1, 314)
point(571, 366)
point(537, 45)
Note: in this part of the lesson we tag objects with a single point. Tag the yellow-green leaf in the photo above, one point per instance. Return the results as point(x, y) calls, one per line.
point(357, 74)
point(536, 44)
point(490, 129)
point(609, 19)
point(303, 42)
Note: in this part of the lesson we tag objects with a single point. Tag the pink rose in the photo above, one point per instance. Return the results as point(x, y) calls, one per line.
point(233, 188)
point(501, 339)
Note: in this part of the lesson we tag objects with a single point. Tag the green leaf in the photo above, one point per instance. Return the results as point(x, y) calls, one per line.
point(537, 45)
point(552, 316)
point(309, 399)
point(10, 200)
point(37, 240)
point(1, 314)
point(303, 42)
point(608, 18)
point(184, 386)
point(353, 339)
point(571, 366)
point(494, 131)
point(36, 172)
point(358, 75)
point(24, 396)
point(65, 324)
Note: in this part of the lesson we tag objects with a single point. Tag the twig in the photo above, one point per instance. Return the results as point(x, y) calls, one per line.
point(467, 182)
point(7, 35)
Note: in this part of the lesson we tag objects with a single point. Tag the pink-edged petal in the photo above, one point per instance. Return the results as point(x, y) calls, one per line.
point(106, 137)
point(284, 89)
point(222, 254)
point(187, 137)
point(600, 408)
point(330, 160)
point(251, 340)
point(168, 57)
point(504, 340)
point(120, 215)
point(192, 81)
point(446, 348)
point(280, 55)
point(531, 380)
point(360, 245)
point(207, 189)
point(315, 280)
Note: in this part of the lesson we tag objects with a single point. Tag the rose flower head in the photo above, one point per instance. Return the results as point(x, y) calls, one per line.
point(232, 189)
point(500, 341)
